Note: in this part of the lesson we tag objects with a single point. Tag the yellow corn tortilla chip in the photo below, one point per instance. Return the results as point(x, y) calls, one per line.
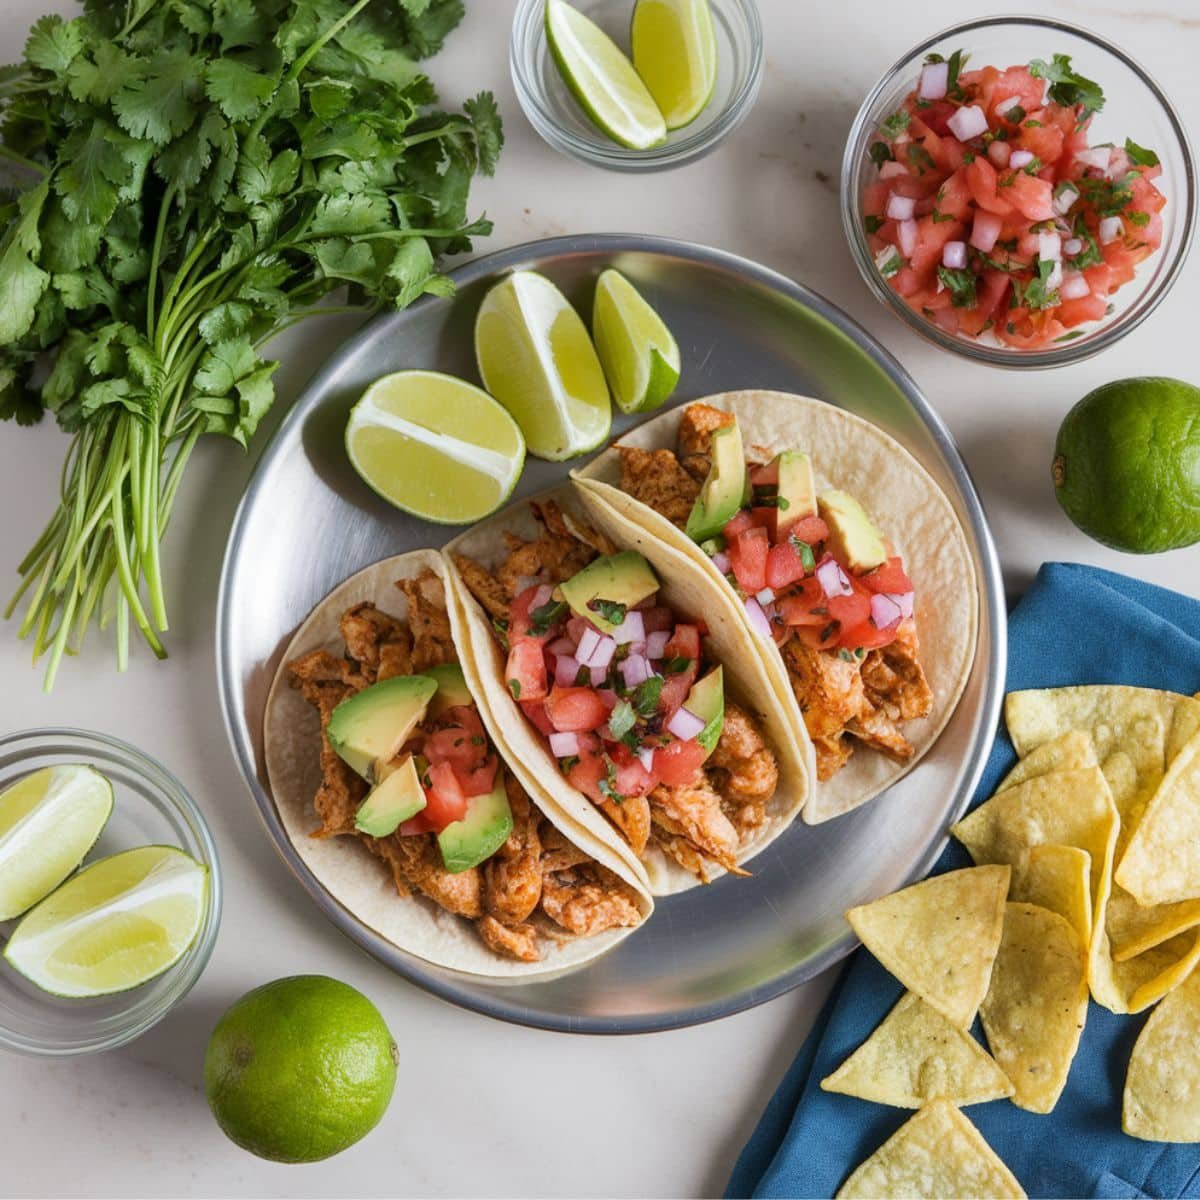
point(915, 1055)
point(1072, 751)
point(1133, 928)
point(1057, 878)
point(1162, 1087)
point(1135, 984)
point(1162, 861)
point(934, 1155)
point(939, 937)
point(1036, 1006)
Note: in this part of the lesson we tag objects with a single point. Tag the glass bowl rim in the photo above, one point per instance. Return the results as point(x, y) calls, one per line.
point(1070, 352)
point(191, 966)
point(527, 21)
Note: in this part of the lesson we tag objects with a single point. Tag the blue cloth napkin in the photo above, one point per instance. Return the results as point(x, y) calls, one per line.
point(1075, 625)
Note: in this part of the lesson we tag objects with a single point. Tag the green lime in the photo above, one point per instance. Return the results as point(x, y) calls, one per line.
point(536, 358)
point(675, 53)
point(48, 822)
point(1127, 464)
point(300, 1069)
point(602, 79)
point(117, 924)
point(435, 446)
point(639, 355)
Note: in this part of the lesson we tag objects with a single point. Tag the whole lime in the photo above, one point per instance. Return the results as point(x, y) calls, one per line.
point(1127, 464)
point(299, 1069)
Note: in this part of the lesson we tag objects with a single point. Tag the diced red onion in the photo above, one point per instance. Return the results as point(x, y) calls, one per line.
point(968, 122)
point(885, 612)
point(601, 655)
point(985, 232)
point(1110, 230)
point(904, 600)
point(561, 646)
point(832, 578)
point(587, 646)
point(608, 698)
point(1049, 247)
point(566, 669)
point(634, 670)
point(892, 170)
point(541, 596)
point(597, 676)
point(900, 208)
point(656, 643)
point(1055, 278)
point(907, 232)
point(758, 618)
point(766, 596)
point(1074, 286)
point(720, 560)
point(935, 79)
point(1118, 165)
point(631, 630)
point(1097, 157)
point(1000, 153)
point(954, 255)
point(685, 725)
point(645, 756)
point(1020, 158)
point(882, 259)
point(564, 745)
point(1063, 226)
point(1067, 195)
point(1005, 106)
point(1072, 246)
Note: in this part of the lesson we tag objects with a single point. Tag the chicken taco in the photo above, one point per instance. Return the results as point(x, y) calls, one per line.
point(399, 800)
point(621, 690)
point(847, 565)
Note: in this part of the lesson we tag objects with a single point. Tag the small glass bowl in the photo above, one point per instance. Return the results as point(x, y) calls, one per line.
point(556, 114)
point(151, 808)
point(1135, 107)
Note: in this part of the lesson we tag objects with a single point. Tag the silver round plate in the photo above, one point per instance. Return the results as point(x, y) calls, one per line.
point(307, 521)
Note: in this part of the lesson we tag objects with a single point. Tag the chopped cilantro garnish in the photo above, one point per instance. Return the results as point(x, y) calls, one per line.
point(880, 153)
point(920, 158)
point(1109, 197)
point(892, 266)
point(1070, 337)
point(478, 741)
point(968, 157)
point(545, 615)
point(514, 686)
point(873, 224)
point(1067, 86)
point(1139, 155)
point(646, 696)
point(1033, 166)
point(779, 502)
point(613, 611)
point(1140, 219)
point(807, 559)
point(583, 677)
point(961, 285)
point(622, 719)
point(565, 765)
point(1032, 124)
point(939, 217)
point(957, 61)
point(676, 665)
point(1016, 114)
point(1035, 293)
point(896, 124)
point(500, 625)
point(608, 785)
point(845, 655)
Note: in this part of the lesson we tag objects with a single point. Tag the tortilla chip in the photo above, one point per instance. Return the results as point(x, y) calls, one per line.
point(1134, 929)
point(1136, 983)
point(938, 1153)
point(916, 1055)
point(940, 937)
point(1072, 751)
point(1036, 1006)
point(1162, 861)
point(1057, 878)
point(1162, 1088)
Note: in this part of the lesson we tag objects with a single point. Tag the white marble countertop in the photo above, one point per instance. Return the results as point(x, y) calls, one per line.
point(495, 1110)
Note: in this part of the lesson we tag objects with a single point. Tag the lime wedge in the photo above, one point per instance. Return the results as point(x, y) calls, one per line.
point(536, 358)
point(602, 79)
point(48, 822)
point(675, 53)
point(638, 353)
point(435, 446)
point(118, 923)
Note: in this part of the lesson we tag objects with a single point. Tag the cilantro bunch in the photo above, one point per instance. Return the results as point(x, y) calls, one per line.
point(199, 174)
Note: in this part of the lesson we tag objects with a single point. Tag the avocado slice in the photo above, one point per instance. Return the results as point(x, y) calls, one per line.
point(485, 828)
point(624, 579)
point(452, 690)
point(398, 798)
point(707, 701)
point(797, 491)
point(371, 726)
point(853, 538)
point(725, 487)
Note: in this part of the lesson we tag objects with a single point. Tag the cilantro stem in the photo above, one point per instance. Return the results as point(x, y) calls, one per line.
point(155, 257)
point(21, 161)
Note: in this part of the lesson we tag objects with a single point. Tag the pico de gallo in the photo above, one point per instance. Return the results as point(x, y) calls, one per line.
point(992, 213)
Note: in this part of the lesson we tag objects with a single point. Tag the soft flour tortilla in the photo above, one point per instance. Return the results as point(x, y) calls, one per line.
point(343, 865)
point(910, 509)
point(686, 590)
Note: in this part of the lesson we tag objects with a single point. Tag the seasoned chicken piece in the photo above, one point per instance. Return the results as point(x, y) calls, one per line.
point(582, 532)
point(694, 811)
point(745, 769)
point(428, 621)
point(877, 730)
point(512, 877)
point(320, 667)
point(832, 755)
point(513, 941)
point(683, 852)
point(631, 816)
point(552, 557)
point(419, 862)
point(365, 628)
point(696, 427)
point(655, 478)
point(894, 679)
point(558, 852)
point(589, 901)
point(485, 587)
point(828, 688)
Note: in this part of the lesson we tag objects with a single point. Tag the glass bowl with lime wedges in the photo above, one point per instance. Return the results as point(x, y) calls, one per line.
point(636, 85)
point(110, 892)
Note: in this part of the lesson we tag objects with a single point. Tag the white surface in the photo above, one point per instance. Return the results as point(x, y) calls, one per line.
point(489, 1109)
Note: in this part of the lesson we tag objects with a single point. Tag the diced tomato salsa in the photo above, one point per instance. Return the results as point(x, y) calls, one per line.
point(992, 215)
point(460, 764)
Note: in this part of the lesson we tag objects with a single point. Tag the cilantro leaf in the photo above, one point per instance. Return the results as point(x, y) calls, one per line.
point(622, 719)
point(961, 285)
point(612, 611)
point(1067, 86)
point(646, 696)
point(893, 126)
point(489, 132)
point(1139, 155)
point(545, 615)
